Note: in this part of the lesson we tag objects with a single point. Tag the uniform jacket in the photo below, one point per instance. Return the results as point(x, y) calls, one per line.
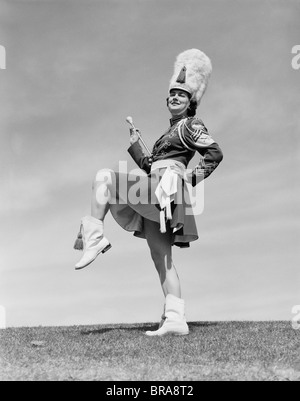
point(184, 138)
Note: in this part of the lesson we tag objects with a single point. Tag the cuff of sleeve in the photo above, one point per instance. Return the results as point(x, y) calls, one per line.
point(133, 148)
point(197, 178)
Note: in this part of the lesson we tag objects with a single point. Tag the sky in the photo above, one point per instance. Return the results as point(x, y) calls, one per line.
point(75, 71)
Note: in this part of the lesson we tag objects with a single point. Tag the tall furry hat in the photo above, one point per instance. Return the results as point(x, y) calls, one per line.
point(191, 73)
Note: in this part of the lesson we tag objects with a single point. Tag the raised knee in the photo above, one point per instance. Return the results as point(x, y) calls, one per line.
point(103, 176)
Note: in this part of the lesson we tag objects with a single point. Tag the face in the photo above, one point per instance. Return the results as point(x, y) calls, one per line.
point(179, 102)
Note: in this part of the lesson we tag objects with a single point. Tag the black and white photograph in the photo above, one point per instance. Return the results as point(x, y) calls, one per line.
point(149, 199)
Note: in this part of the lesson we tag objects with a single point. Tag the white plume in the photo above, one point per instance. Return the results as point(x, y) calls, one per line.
point(198, 71)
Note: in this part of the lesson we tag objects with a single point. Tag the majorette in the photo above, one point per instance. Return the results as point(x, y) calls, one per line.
point(165, 222)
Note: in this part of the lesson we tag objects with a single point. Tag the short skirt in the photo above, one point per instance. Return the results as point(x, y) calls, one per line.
point(133, 200)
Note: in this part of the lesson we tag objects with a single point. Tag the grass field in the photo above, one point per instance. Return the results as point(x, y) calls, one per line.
point(213, 351)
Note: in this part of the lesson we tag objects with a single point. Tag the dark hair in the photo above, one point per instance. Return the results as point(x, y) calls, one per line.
point(192, 110)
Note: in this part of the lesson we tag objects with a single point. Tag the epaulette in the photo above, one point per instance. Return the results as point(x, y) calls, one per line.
point(194, 134)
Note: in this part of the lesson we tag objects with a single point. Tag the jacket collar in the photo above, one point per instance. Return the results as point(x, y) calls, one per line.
point(175, 120)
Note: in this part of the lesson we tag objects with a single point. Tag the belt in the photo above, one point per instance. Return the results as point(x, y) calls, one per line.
point(173, 164)
point(167, 187)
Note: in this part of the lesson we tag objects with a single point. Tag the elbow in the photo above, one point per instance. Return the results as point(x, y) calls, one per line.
point(215, 154)
point(218, 154)
point(220, 157)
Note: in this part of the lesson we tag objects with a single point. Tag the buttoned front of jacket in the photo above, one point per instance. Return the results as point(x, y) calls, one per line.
point(171, 146)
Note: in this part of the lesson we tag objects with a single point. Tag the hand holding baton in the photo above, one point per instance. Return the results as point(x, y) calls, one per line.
point(130, 122)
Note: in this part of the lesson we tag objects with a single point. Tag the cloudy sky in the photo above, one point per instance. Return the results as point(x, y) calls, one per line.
point(75, 70)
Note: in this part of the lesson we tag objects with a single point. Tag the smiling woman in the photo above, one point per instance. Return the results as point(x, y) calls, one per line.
point(166, 222)
point(178, 102)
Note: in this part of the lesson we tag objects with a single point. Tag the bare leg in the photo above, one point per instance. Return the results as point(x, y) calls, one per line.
point(161, 251)
point(101, 194)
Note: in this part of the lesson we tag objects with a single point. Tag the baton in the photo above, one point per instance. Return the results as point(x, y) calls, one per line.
point(130, 122)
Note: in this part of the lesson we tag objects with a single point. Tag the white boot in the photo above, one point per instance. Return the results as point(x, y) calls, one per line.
point(94, 241)
point(175, 322)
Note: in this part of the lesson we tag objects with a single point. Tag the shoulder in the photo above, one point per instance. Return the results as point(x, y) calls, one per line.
point(197, 132)
point(195, 124)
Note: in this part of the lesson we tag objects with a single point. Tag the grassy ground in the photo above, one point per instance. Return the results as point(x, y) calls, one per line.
point(213, 351)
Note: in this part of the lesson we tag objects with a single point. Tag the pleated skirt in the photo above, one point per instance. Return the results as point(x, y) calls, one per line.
point(133, 200)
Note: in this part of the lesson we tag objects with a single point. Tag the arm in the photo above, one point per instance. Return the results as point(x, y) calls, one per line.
point(137, 153)
point(211, 158)
point(198, 138)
